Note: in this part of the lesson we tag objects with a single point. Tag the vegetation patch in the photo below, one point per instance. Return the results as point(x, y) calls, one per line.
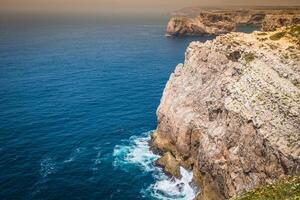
point(262, 33)
point(262, 39)
point(285, 189)
point(249, 57)
point(277, 36)
point(294, 31)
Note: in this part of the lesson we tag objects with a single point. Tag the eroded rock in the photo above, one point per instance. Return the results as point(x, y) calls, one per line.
point(232, 112)
point(170, 165)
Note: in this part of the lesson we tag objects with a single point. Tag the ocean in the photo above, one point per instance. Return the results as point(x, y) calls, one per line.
point(78, 101)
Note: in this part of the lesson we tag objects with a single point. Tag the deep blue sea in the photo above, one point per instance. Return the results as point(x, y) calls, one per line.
point(77, 101)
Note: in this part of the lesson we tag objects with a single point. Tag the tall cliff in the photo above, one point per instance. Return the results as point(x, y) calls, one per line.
point(231, 112)
point(217, 22)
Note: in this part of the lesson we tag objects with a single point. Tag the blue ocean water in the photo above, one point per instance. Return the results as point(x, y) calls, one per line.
point(77, 101)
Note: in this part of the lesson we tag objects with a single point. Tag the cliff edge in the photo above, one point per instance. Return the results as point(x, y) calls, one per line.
point(231, 112)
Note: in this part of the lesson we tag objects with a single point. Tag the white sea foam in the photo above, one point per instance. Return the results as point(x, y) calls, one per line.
point(167, 188)
point(136, 151)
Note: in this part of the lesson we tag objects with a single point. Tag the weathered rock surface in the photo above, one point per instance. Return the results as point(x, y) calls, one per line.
point(169, 164)
point(217, 22)
point(231, 112)
point(272, 22)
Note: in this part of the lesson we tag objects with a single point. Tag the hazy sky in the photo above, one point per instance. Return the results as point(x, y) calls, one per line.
point(125, 6)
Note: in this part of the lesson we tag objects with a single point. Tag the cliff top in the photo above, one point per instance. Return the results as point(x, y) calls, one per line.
point(267, 90)
point(231, 112)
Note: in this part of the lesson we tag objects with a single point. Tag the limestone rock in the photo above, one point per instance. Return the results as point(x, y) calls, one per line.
point(233, 111)
point(169, 164)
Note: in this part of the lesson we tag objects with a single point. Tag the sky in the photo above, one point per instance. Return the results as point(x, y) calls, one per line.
point(126, 6)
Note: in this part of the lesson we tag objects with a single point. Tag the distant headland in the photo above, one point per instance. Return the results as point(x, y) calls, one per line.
point(215, 21)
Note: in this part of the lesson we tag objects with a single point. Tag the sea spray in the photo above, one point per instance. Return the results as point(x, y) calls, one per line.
point(169, 188)
point(136, 151)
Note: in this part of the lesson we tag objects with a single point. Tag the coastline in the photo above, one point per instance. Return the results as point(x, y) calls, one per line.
point(221, 21)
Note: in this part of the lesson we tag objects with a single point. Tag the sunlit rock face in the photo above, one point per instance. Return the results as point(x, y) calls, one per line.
point(231, 112)
point(216, 22)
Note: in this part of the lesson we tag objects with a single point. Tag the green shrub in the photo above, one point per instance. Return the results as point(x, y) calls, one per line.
point(249, 57)
point(277, 36)
point(286, 189)
point(262, 33)
point(295, 32)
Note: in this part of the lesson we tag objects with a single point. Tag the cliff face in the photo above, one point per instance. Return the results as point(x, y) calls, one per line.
point(209, 23)
point(216, 22)
point(231, 112)
point(272, 22)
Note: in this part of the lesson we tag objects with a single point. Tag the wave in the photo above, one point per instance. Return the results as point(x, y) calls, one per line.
point(136, 151)
point(166, 188)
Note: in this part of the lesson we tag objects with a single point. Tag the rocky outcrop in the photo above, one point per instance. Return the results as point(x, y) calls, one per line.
point(206, 23)
point(231, 112)
point(272, 22)
point(170, 165)
point(216, 22)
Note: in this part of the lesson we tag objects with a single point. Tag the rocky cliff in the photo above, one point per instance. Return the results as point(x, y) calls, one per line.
point(217, 22)
point(231, 112)
point(272, 22)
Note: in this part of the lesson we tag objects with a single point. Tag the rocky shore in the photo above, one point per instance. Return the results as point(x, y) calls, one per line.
point(216, 22)
point(231, 113)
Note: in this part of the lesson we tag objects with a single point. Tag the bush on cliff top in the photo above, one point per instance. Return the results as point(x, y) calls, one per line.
point(294, 31)
point(249, 57)
point(277, 36)
point(286, 189)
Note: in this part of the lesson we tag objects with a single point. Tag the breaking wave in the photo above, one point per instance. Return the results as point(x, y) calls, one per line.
point(166, 188)
point(136, 151)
